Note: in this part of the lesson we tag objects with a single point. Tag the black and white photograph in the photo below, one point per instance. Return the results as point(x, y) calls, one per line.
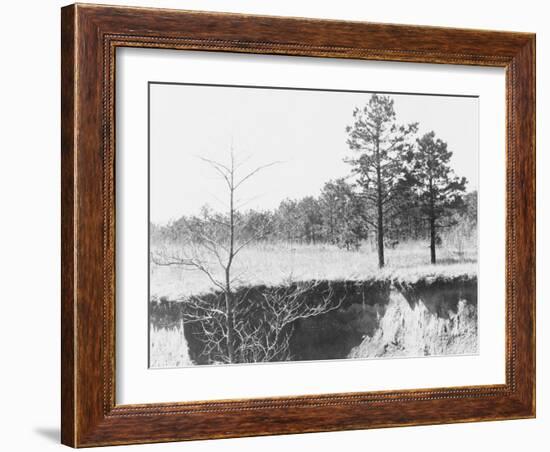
point(294, 224)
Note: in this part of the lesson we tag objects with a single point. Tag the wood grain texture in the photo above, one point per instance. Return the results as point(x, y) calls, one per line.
point(68, 147)
point(90, 36)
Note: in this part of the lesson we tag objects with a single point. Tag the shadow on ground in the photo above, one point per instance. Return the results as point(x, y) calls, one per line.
point(50, 433)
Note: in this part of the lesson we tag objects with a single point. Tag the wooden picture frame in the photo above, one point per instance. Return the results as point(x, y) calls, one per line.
point(90, 35)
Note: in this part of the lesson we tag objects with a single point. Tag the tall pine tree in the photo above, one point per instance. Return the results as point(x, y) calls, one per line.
point(378, 143)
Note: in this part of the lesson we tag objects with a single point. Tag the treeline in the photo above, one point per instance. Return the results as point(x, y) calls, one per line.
point(400, 187)
point(338, 216)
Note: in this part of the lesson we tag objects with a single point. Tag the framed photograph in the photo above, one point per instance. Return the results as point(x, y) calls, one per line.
point(281, 225)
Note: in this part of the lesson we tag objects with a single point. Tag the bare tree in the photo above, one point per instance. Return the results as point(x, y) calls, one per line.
point(268, 337)
point(216, 242)
point(265, 335)
point(229, 330)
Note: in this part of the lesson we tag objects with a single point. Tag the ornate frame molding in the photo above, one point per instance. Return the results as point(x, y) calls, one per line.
point(90, 37)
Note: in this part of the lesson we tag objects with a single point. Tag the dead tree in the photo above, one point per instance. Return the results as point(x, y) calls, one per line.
point(212, 250)
point(265, 336)
point(269, 338)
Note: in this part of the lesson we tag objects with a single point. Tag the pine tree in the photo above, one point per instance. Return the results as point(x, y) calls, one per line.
point(440, 191)
point(379, 143)
point(343, 215)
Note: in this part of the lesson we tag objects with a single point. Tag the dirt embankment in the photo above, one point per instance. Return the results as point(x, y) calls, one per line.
point(434, 315)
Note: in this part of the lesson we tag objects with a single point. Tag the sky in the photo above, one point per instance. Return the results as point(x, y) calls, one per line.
point(303, 131)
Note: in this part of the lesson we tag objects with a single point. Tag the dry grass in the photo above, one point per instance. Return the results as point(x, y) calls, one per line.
point(168, 348)
point(281, 263)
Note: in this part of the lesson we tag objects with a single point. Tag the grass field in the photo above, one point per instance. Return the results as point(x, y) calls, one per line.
point(281, 263)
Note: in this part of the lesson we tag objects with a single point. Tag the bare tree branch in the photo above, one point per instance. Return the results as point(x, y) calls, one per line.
point(255, 171)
